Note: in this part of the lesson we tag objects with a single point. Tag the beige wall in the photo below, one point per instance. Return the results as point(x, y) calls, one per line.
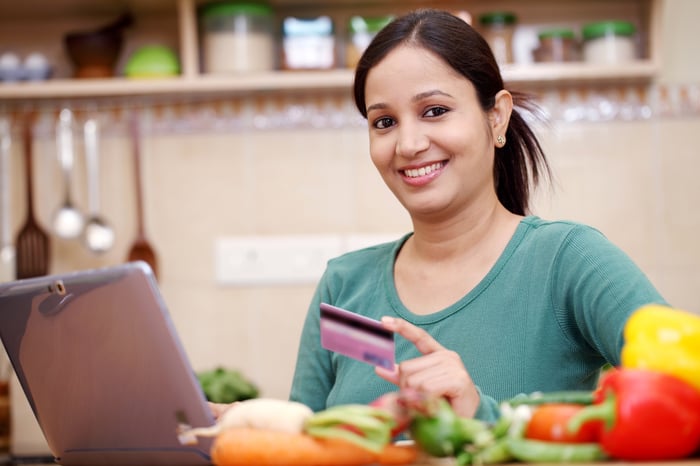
point(634, 180)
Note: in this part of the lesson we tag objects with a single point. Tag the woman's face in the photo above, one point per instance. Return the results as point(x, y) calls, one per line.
point(429, 138)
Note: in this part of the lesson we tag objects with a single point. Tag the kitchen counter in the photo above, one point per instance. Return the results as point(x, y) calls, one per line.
point(695, 461)
point(34, 461)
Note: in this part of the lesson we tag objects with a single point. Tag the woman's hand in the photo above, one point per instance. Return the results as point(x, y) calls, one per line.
point(439, 371)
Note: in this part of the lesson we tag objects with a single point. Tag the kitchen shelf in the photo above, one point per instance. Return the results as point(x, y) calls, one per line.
point(174, 22)
point(340, 80)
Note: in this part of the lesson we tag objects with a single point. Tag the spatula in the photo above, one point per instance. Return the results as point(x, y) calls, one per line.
point(32, 245)
point(140, 249)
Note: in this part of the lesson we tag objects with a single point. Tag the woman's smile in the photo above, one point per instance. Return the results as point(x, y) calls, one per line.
point(422, 174)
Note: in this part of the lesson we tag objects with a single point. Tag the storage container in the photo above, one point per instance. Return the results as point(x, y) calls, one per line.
point(238, 37)
point(498, 27)
point(308, 43)
point(361, 31)
point(609, 42)
point(556, 45)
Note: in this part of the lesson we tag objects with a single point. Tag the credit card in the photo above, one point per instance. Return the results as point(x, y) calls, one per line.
point(356, 336)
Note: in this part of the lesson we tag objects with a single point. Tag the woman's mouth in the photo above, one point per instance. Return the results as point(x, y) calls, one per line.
point(420, 175)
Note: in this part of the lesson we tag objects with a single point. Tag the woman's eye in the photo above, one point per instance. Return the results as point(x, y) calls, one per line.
point(383, 123)
point(435, 111)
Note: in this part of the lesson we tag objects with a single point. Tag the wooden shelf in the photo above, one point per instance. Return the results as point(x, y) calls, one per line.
point(175, 23)
point(305, 81)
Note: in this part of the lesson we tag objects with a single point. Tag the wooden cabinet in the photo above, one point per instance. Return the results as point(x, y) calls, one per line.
point(39, 25)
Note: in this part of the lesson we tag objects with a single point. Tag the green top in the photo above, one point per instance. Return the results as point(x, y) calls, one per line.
point(498, 18)
point(547, 317)
point(605, 28)
point(368, 24)
point(219, 9)
point(556, 33)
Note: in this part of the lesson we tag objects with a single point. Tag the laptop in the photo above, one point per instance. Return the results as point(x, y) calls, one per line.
point(105, 374)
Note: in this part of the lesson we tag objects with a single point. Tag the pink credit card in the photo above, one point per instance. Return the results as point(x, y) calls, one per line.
point(356, 336)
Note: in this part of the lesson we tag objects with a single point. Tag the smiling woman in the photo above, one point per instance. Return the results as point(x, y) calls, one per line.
point(443, 45)
point(478, 271)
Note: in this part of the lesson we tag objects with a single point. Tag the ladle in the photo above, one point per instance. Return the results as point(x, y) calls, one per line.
point(98, 234)
point(68, 221)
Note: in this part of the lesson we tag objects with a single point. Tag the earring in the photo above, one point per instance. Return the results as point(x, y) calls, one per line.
point(500, 140)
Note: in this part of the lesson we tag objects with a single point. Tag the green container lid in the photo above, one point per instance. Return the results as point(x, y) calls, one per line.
point(498, 18)
point(605, 28)
point(556, 33)
point(223, 9)
point(368, 24)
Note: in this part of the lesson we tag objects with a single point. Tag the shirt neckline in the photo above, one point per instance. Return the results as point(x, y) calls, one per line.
point(403, 312)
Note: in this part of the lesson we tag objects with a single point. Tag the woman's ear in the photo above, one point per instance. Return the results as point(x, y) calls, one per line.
point(499, 116)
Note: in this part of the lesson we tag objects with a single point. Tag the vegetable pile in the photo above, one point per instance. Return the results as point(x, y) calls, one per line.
point(265, 431)
point(648, 409)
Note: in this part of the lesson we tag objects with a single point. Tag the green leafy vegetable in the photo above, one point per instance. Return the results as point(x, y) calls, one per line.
point(223, 385)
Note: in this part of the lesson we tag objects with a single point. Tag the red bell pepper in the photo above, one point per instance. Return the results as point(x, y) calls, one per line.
point(647, 415)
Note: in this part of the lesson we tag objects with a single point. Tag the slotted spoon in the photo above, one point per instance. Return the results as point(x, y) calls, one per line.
point(32, 245)
point(141, 249)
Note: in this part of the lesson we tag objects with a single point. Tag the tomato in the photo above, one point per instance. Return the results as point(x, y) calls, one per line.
point(549, 422)
point(391, 403)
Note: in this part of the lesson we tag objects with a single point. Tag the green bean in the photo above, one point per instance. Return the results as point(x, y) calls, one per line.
point(536, 451)
point(583, 397)
point(501, 426)
point(496, 453)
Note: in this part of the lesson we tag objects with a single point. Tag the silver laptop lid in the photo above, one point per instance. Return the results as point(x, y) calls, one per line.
point(102, 367)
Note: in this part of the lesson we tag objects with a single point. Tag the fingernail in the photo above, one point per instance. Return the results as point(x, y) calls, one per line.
point(388, 320)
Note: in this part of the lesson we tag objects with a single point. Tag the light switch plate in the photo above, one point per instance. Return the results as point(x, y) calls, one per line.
point(283, 259)
point(257, 260)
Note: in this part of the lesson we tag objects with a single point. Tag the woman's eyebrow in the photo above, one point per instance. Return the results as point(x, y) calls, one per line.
point(423, 95)
point(415, 98)
point(379, 106)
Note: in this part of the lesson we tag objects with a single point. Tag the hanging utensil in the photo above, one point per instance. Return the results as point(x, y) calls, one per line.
point(140, 249)
point(98, 235)
point(7, 249)
point(32, 245)
point(68, 221)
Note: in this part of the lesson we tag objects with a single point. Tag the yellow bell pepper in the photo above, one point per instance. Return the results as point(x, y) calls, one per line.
point(664, 339)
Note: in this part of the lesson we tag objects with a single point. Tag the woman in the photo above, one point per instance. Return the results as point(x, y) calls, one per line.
point(486, 301)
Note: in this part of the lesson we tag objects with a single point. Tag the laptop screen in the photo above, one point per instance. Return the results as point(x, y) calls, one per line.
point(102, 367)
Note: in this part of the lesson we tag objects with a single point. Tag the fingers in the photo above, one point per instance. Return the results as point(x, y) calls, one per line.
point(419, 337)
point(439, 371)
point(391, 376)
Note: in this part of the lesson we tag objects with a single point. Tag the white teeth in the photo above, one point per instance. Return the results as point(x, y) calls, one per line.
point(422, 171)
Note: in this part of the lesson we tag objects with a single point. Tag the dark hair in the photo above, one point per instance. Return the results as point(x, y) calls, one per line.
point(465, 50)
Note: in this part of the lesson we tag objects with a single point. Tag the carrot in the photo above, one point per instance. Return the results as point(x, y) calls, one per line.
point(247, 446)
point(397, 455)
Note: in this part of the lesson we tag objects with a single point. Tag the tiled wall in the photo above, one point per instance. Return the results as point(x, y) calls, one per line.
point(211, 172)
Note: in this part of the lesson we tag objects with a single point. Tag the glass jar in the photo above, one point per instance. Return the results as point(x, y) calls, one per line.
point(556, 45)
point(497, 28)
point(609, 42)
point(237, 37)
point(361, 32)
point(308, 43)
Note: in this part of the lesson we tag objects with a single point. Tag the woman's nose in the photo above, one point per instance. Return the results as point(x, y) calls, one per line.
point(411, 141)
